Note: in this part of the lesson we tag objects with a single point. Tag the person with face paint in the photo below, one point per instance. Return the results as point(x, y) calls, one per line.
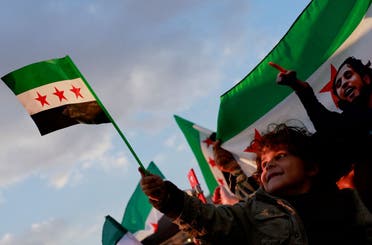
point(296, 203)
point(347, 135)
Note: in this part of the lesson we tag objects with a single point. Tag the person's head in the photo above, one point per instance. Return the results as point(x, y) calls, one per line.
point(352, 80)
point(285, 161)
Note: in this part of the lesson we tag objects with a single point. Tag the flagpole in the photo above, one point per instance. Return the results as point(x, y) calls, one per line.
point(108, 115)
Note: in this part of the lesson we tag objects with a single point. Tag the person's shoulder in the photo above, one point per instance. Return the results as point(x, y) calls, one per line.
point(260, 195)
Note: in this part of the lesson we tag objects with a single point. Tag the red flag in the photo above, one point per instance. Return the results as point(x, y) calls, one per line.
point(195, 185)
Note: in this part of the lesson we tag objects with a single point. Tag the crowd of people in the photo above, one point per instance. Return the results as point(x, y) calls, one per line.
point(309, 188)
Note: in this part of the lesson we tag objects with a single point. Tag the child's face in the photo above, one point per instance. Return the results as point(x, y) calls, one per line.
point(284, 173)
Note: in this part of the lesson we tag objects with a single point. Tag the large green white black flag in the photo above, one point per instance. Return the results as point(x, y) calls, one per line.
point(323, 36)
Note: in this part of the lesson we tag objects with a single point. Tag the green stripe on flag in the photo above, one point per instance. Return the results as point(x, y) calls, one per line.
point(112, 231)
point(40, 73)
point(138, 207)
point(193, 138)
point(316, 34)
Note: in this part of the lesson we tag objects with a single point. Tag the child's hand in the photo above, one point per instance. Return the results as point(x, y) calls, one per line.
point(227, 197)
point(222, 157)
point(152, 185)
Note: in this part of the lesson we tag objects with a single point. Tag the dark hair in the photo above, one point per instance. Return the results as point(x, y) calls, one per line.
point(358, 67)
point(297, 140)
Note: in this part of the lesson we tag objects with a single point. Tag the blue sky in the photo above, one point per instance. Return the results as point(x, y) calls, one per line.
point(146, 60)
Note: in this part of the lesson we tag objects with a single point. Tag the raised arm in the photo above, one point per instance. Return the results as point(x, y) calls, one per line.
point(288, 78)
point(163, 195)
point(206, 221)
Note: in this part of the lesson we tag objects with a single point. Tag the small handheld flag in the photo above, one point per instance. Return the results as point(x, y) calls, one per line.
point(201, 142)
point(56, 95)
point(140, 217)
point(113, 233)
point(195, 185)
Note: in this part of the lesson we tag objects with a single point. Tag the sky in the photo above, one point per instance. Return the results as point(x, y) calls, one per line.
point(146, 61)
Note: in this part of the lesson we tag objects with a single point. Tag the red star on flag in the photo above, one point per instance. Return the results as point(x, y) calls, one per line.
point(329, 85)
point(42, 99)
point(211, 162)
point(220, 181)
point(154, 227)
point(76, 91)
point(208, 141)
point(253, 147)
point(59, 94)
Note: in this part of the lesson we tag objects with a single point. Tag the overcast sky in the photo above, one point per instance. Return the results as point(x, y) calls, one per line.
point(146, 61)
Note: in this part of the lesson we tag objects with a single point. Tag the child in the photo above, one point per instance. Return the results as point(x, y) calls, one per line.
point(352, 86)
point(295, 204)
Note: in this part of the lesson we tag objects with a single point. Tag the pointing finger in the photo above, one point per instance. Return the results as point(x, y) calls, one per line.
point(278, 67)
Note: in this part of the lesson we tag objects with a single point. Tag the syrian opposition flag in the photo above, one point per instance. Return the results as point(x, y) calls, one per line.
point(56, 95)
point(201, 142)
point(113, 233)
point(323, 36)
point(140, 218)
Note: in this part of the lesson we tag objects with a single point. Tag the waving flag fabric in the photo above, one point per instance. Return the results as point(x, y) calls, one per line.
point(114, 233)
point(140, 218)
point(141, 223)
point(55, 94)
point(322, 37)
point(200, 143)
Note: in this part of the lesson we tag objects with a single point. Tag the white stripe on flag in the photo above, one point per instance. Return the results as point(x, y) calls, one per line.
point(128, 239)
point(51, 91)
point(208, 154)
point(150, 224)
